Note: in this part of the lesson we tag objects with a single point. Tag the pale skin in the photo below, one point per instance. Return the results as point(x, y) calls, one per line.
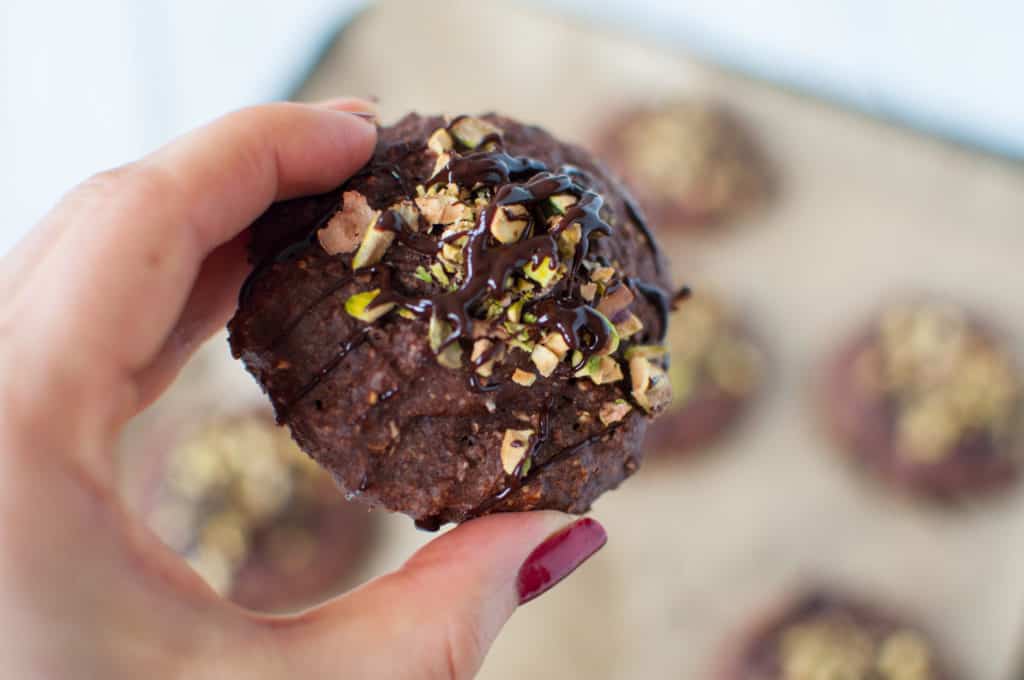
point(102, 303)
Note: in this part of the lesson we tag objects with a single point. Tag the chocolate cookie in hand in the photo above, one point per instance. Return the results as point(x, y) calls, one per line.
point(474, 323)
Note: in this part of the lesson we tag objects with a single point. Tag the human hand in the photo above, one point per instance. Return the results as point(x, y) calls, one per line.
point(103, 303)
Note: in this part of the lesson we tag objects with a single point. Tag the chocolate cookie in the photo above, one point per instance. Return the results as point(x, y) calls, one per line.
point(825, 636)
point(690, 162)
point(259, 520)
point(715, 369)
point(474, 323)
point(926, 398)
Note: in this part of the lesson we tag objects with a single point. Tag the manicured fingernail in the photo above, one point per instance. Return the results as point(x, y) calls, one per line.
point(558, 556)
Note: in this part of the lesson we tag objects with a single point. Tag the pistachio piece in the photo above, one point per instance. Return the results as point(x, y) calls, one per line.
point(612, 344)
point(451, 356)
point(544, 273)
point(515, 311)
point(650, 385)
point(556, 343)
point(524, 378)
point(471, 132)
point(568, 239)
point(422, 274)
point(601, 370)
point(437, 332)
point(441, 163)
point(544, 359)
point(439, 273)
point(481, 347)
point(358, 306)
point(616, 300)
point(371, 250)
point(344, 231)
point(508, 223)
point(560, 203)
point(614, 411)
point(588, 291)
point(646, 351)
point(514, 447)
point(602, 274)
point(629, 326)
point(640, 375)
point(440, 141)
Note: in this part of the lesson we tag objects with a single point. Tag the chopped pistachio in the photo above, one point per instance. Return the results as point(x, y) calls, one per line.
point(437, 332)
point(601, 370)
point(508, 223)
point(529, 317)
point(588, 291)
point(650, 385)
point(560, 203)
point(480, 347)
point(345, 230)
point(602, 274)
point(568, 239)
point(614, 411)
point(545, 272)
point(514, 447)
point(640, 375)
point(422, 274)
point(646, 351)
point(440, 141)
point(544, 359)
point(406, 314)
point(470, 132)
point(629, 326)
point(515, 311)
point(441, 162)
point(577, 358)
point(371, 250)
point(358, 306)
point(524, 378)
point(556, 343)
point(439, 273)
point(612, 344)
point(451, 356)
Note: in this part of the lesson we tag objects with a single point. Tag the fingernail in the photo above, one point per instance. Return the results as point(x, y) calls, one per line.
point(558, 556)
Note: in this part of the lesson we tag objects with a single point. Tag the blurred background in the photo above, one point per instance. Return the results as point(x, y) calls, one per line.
point(807, 164)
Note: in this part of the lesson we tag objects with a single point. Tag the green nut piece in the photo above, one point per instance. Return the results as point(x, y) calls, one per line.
point(524, 378)
point(560, 203)
point(508, 223)
point(544, 359)
point(439, 273)
point(375, 243)
point(470, 132)
point(601, 370)
point(629, 326)
point(544, 273)
point(422, 274)
point(440, 141)
point(358, 306)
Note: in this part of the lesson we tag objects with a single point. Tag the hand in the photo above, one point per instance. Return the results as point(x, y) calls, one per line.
point(102, 303)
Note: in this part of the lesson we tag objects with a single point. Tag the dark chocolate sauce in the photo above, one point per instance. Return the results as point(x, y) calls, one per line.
point(659, 299)
point(581, 326)
point(346, 346)
point(391, 221)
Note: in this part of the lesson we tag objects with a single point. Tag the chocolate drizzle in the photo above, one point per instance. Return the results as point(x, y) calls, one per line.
point(344, 348)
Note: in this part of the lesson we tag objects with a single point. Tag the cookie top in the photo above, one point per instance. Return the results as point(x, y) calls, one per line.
point(690, 161)
point(927, 396)
point(480, 283)
point(822, 635)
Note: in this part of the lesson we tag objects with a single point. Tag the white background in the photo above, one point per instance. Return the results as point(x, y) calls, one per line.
point(88, 85)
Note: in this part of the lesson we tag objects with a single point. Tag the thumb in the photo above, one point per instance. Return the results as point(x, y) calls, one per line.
point(437, 616)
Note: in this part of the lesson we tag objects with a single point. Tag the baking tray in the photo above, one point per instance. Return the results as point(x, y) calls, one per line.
point(697, 546)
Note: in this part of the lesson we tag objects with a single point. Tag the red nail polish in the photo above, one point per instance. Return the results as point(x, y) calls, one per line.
point(558, 556)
